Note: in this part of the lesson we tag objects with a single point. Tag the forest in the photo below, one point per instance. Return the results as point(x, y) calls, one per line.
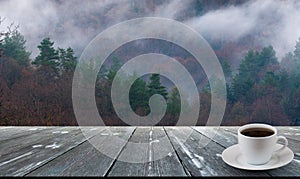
point(38, 91)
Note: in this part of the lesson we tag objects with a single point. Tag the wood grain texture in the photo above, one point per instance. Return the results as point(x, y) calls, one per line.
point(148, 144)
point(30, 157)
point(203, 160)
point(35, 138)
point(165, 151)
point(290, 132)
point(11, 133)
point(85, 159)
point(219, 135)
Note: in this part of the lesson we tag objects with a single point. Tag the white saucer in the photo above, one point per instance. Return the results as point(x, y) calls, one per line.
point(233, 157)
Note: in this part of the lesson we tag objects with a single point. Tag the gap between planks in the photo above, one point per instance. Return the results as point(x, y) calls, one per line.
point(115, 159)
point(176, 153)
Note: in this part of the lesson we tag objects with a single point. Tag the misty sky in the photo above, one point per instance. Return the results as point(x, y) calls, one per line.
point(75, 23)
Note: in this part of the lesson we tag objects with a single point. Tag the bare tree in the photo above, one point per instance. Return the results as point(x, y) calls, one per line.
point(2, 35)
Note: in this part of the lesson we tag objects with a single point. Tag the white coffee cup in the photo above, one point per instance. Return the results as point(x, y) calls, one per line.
point(257, 149)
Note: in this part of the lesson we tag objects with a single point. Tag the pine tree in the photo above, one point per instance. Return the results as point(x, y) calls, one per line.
point(67, 59)
point(252, 70)
point(174, 102)
point(116, 65)
point(48, 55)
point(138, 97)
point(13, 46)
point(155, 86)
point(297, 50)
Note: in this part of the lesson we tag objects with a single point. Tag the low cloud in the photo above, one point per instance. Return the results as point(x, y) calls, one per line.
point(75, 23)
point(270, 22)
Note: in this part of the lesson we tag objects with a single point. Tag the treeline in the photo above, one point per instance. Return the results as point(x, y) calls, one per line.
point(264, 90)
point(139, 96)
point(39, 91)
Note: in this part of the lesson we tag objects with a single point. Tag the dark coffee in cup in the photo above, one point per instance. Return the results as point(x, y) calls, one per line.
point(257, 132)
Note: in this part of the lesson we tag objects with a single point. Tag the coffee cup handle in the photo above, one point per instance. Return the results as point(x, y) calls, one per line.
point(285, 143)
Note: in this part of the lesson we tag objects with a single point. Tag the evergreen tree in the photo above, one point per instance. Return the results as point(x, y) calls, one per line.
point(291, 61)
point(291, 102)
point(199, 7)
point(155, 87)
point(14, 46)
point(116, 65)
point(244, 80)
point(67, 59)
point(251, 71)
point(297, 50)
point(174, 102)
point(226, 70)
point(271, 79)
point(105, 78)
point(48, 55)
point(288, 62)
point(138, 97)
point(267, 57)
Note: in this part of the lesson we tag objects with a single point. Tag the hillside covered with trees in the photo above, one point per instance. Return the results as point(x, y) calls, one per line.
point(38, 91)
point(257, 45)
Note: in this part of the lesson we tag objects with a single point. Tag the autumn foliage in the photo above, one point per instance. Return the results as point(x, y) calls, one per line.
point(39, 91)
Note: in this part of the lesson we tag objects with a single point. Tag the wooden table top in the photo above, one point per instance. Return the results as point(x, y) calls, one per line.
point(65, 151)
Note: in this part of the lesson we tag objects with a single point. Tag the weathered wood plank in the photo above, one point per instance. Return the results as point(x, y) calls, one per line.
point(290, 132)
point(219, 135)
point(232, 129)
point(132, 169)
point(150, 144)
point(291, 169)
point(85, 159)
point(16, 143)
point(199, 160)
point(30, 157)
point(13, 132)
point(167, 163)
point(64, 151)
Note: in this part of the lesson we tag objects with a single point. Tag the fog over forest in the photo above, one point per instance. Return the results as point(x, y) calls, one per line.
point(75, 23)
point(256, 42)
